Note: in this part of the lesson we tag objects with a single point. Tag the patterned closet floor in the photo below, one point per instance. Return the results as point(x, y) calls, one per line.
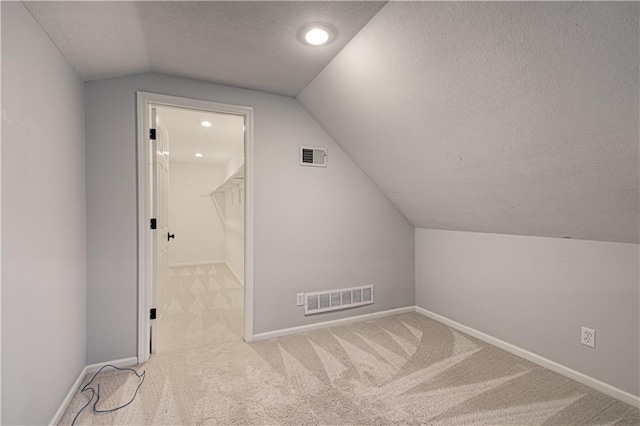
point(203, 304)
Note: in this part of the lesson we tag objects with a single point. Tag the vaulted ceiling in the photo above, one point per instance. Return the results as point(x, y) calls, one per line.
point(250, 44)
point(506, 117)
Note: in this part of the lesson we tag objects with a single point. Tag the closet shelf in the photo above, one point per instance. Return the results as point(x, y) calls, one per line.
point(230, 189)
point(232, 183)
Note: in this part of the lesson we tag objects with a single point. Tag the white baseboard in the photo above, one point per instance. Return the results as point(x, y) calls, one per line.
point(67, 399)
point(203, 262)
point(234, 273)
point(332, 323)
point(91, 368)
point(537, 359)
point(122, 363)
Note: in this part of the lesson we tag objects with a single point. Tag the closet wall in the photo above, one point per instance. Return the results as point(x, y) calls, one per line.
point(198, 228)
point(234, 228)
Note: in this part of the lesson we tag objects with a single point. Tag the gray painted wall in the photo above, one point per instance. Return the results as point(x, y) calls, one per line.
point(536, 293)
point(315, 228)
point(504, 117)
point(43, 222)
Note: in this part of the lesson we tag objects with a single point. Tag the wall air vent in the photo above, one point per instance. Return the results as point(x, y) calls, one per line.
point(332, 300)
point(313, 156)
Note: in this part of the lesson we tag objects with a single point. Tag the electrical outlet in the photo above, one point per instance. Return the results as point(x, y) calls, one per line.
point(588, 337)
point(300, 299)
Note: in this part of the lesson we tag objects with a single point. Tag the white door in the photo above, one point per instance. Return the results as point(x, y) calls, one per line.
point(160, 211)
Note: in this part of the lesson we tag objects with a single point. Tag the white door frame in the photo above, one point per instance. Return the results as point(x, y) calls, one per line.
point(144, 100)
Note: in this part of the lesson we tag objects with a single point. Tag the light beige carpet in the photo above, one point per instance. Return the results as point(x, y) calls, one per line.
point(404, 369)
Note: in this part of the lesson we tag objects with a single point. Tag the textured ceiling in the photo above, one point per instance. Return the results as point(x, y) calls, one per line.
point(516, 118)
point(217, 143)
point(246, 44)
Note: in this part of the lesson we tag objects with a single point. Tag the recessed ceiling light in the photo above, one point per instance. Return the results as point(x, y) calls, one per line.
point(316, 34)
point(205, 124)
point(198, 154)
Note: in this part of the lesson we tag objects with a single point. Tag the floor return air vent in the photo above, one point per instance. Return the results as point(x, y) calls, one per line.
point(332, 300)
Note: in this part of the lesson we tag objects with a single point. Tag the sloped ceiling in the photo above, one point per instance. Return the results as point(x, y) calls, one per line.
point(504, 117)
point(246, 44)
point(516, 118)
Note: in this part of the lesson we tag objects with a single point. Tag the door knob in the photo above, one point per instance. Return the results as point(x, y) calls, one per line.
point(170, 236)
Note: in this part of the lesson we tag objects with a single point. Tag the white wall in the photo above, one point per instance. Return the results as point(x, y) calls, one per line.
point(235, 162)
point(536, 293)
point(314, 228)
point(198, 228)
point(234, 232)
point(234, 219)
point(43, 222)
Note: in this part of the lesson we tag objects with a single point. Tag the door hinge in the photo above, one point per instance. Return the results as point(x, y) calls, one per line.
point(152, 134)
point(152, 313)
point(154, 223)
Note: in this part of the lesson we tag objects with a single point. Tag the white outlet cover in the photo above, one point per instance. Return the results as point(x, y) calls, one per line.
point(588, 337)
point(300, 299)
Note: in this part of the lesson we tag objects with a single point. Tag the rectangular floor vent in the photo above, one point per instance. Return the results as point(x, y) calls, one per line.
point(324, 301)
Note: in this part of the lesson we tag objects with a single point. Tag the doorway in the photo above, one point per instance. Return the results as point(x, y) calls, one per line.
point(195, 201)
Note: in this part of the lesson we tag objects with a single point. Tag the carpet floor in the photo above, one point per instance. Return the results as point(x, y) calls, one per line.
point(402, 369)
